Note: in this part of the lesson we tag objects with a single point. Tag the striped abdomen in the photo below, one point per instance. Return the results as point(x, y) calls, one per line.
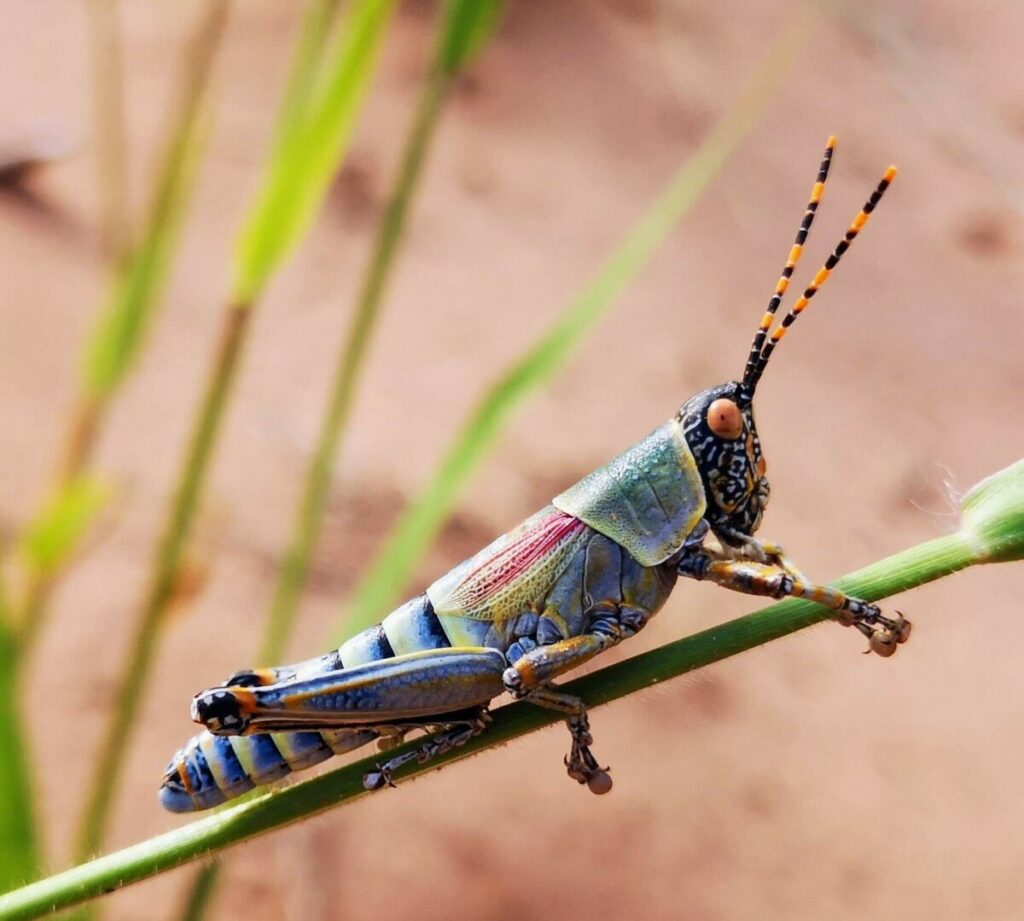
point(211, 769)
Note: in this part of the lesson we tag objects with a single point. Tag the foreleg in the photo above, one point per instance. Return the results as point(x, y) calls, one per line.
point(773, 575)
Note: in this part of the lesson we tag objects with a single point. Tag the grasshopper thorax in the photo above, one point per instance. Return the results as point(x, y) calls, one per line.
point(718, 425)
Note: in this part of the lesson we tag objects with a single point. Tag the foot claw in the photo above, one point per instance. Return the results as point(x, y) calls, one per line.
point(883, 642)
point(600, 782)
point(580, 763)
point(884, 634)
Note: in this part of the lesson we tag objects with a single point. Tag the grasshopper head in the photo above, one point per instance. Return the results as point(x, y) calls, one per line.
point(719, 423)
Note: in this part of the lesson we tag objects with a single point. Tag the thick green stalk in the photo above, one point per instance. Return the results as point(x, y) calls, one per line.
point(166, 569)
point(295, 566)
point(916, 566)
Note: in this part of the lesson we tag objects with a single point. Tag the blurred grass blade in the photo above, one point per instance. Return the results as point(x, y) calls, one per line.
point(469, 25)
point(306, 158)
point(118, 336)
point(48, 544)
point(53, 536)
point(927, 562)
point(382, 585)
point(465, 26)
point(306, 65)
point(164, 578)
point(200, 895)
point(19, 846)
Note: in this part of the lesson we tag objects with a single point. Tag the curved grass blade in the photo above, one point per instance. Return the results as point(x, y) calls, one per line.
point(307, 154)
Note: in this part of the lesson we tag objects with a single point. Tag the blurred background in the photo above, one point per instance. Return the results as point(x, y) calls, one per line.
point(802, 780)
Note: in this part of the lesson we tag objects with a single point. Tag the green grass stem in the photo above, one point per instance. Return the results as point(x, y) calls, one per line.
point(908, 569)
point(295, 565)
point(118, 335)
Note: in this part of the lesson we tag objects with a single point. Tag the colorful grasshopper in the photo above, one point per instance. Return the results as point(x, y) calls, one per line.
point(574, 580)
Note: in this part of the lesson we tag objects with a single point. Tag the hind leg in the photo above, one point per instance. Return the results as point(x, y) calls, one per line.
point(530, 676)
point(405, 689)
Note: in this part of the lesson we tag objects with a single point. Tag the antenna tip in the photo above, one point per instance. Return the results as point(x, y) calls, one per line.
point(832, 141)
point(890, 174)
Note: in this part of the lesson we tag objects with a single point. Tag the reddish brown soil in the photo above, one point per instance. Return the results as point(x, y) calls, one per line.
point(799, 781)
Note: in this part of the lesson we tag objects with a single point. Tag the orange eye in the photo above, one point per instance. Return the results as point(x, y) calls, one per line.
point(725, 419)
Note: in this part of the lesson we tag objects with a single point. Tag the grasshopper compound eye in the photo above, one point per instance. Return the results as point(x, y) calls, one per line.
point(725, 419)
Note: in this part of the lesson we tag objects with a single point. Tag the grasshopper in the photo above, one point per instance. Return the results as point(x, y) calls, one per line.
point(577, 578)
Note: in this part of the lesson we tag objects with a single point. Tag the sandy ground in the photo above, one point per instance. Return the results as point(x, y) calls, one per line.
point(803, 780)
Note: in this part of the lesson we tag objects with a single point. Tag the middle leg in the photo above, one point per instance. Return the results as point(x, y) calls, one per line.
point(529, 678)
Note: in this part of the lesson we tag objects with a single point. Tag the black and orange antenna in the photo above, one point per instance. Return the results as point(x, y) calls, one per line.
point(755, 368)
point(795, 252)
